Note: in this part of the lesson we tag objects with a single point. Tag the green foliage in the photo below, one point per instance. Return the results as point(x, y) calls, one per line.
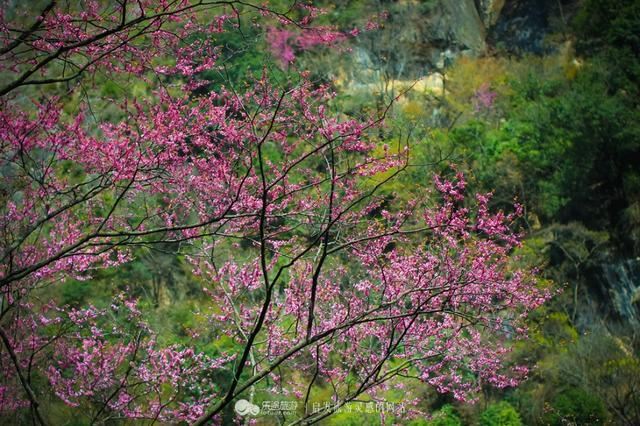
point(354, 419)
point(568, 149)
point(555, 331)
point(606, 366)
point(577, 406)
point(75, 292)
point(445, 416)
point(610, 23)
point(242, 56)
point(500, 414)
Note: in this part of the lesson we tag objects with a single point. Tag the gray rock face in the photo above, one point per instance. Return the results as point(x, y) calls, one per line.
point(489, 11)
point(523, 25)
point(617, 286)
point(466, 27)
point(423, 37)
point(471, 26)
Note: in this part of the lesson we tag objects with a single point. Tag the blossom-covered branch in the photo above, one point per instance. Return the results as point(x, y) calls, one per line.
point(277, 202)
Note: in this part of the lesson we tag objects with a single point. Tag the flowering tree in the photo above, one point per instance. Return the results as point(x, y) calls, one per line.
point(275, 200)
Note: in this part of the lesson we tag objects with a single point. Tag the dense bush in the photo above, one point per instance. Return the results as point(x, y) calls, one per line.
point(500, 414)
point(576, 406)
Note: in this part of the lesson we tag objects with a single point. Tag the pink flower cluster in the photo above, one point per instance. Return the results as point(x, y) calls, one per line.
point(484, 98)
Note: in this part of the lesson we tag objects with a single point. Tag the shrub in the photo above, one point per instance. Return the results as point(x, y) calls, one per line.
point(500, 414)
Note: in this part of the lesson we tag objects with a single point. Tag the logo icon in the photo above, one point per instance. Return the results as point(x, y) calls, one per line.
point(245, 408)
